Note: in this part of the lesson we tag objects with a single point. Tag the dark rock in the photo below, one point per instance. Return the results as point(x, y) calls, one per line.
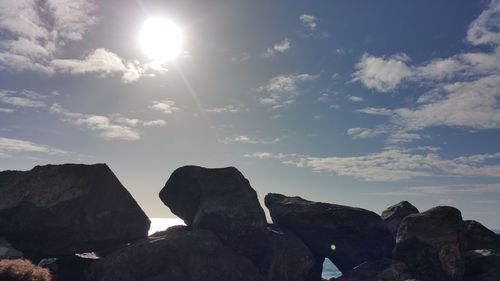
point(177, 254)
point(347, 236)
point(432, 244)
point(220, 200)
point(480, 237)
point(393, 215)
point(482, 265)
point(58, 210)
point(7, 251)
point(381, 270)
point(69, 268)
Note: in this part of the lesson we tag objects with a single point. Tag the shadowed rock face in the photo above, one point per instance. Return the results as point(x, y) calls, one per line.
point(482, 265)
point(220, 200)
point(347, 236)
point(384, 269)
point(480, 237)
point(177, 254)
point(57, 210)
point(393, 215)
point(432, 244)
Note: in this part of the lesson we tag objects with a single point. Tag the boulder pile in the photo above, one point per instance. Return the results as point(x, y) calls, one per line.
point(79, 222)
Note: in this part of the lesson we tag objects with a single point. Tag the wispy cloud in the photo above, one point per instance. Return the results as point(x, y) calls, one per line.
point(249, 140)
point(354, 98)
point(9, 147)
point(280, 47)
point(164, 106)
point(308, 21)
point(281, 91)
point(24, 98)
point(230, 108)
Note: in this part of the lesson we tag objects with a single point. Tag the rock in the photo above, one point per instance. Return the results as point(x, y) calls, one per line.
point(287, 258)
point(220, 200)
point(22, 270)
point(482, 265)
point(58, 210)
point(347, 236)
point(393, 215)
point(480, 237)
point(177, 254)
point(385, 269)
point(69, 268)
point(7, 251)
point(432, 244)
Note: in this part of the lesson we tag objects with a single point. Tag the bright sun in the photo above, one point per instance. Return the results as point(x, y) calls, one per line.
point(161, 39)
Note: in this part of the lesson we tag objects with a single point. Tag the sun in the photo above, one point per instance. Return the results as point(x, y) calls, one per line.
point(161, 39)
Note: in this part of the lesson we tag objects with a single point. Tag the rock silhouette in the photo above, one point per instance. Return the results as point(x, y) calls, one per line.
point(480, 237)
point(482, 265)
point(57, 210)
point(393, 215)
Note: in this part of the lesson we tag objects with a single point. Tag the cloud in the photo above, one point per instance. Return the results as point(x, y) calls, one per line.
point(308, 21)
point(6, 110)
point(280, 47)
point(228, 108)
point(354, 98)
point(281, 91)
point(243, 57)
point(113, 126)
point(165, 106)
point(484, 29)
point(9, 146)
point(249, 140)
point(375, 111)
point(364, 133)
point(24, 98)
point(100, 61)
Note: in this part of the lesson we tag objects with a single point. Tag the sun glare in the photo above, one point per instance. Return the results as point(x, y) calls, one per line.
point(161, 39)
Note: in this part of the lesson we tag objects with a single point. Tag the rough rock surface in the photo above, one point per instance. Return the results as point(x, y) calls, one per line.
point(432, 244)
point(220, 200)
point(482, 265)
point(480, 237)
point(69, 268)
point(393, 215)
point(57, 210)
point(347, 236)
point(177, 254)
point(7, 251)
point(384, 269)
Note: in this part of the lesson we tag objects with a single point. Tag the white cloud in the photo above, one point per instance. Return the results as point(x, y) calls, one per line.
point(113, 126)
point(249, 140)
point(375, 111)
point(354, 98)
point(282, 90)
point(364, 133)
point(484, 29)
point(280, 47)
point(308, 21)
point(228, 108)
point(6, 110)
point(10, 146)
point(165, 106)
point(260, 155)
point(24, 98)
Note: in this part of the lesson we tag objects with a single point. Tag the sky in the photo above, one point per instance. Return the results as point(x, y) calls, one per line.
point(360, 103)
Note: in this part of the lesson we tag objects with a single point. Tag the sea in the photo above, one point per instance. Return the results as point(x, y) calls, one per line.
point(159, 224)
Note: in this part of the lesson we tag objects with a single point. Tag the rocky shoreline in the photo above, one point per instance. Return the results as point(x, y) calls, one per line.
point(81, 224)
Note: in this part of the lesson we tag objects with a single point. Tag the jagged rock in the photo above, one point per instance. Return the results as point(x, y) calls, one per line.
point(347, 236)
point(58, 210)
point(177, 254)
point(432, 244)
point(393, 215)
point(220, 200)
point(480, 237)
point(7, 251)
point(69, 268)
point(385, 269)
point(482, 265)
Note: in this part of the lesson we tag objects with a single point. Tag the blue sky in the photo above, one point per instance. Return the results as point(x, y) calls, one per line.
point(363, 103)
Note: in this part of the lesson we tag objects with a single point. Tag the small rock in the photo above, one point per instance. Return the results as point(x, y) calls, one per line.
point(58, 210)
point(385, 269)
point(480, 237)
point(347, 236)
point(432, 244)
point(482, 265)
point(393, 215)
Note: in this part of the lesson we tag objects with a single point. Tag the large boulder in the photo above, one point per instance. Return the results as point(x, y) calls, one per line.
point(347, 236)
point(432, 244)
point(7, 251)
point(177, 254)
point(482, 265)
point(480, 237)
point(58, 210)
point(384, 269)
point(69, 268)
point(220, 200)
point(393, 215)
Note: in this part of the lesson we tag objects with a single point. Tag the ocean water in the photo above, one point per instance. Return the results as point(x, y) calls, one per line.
point(159, 224)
